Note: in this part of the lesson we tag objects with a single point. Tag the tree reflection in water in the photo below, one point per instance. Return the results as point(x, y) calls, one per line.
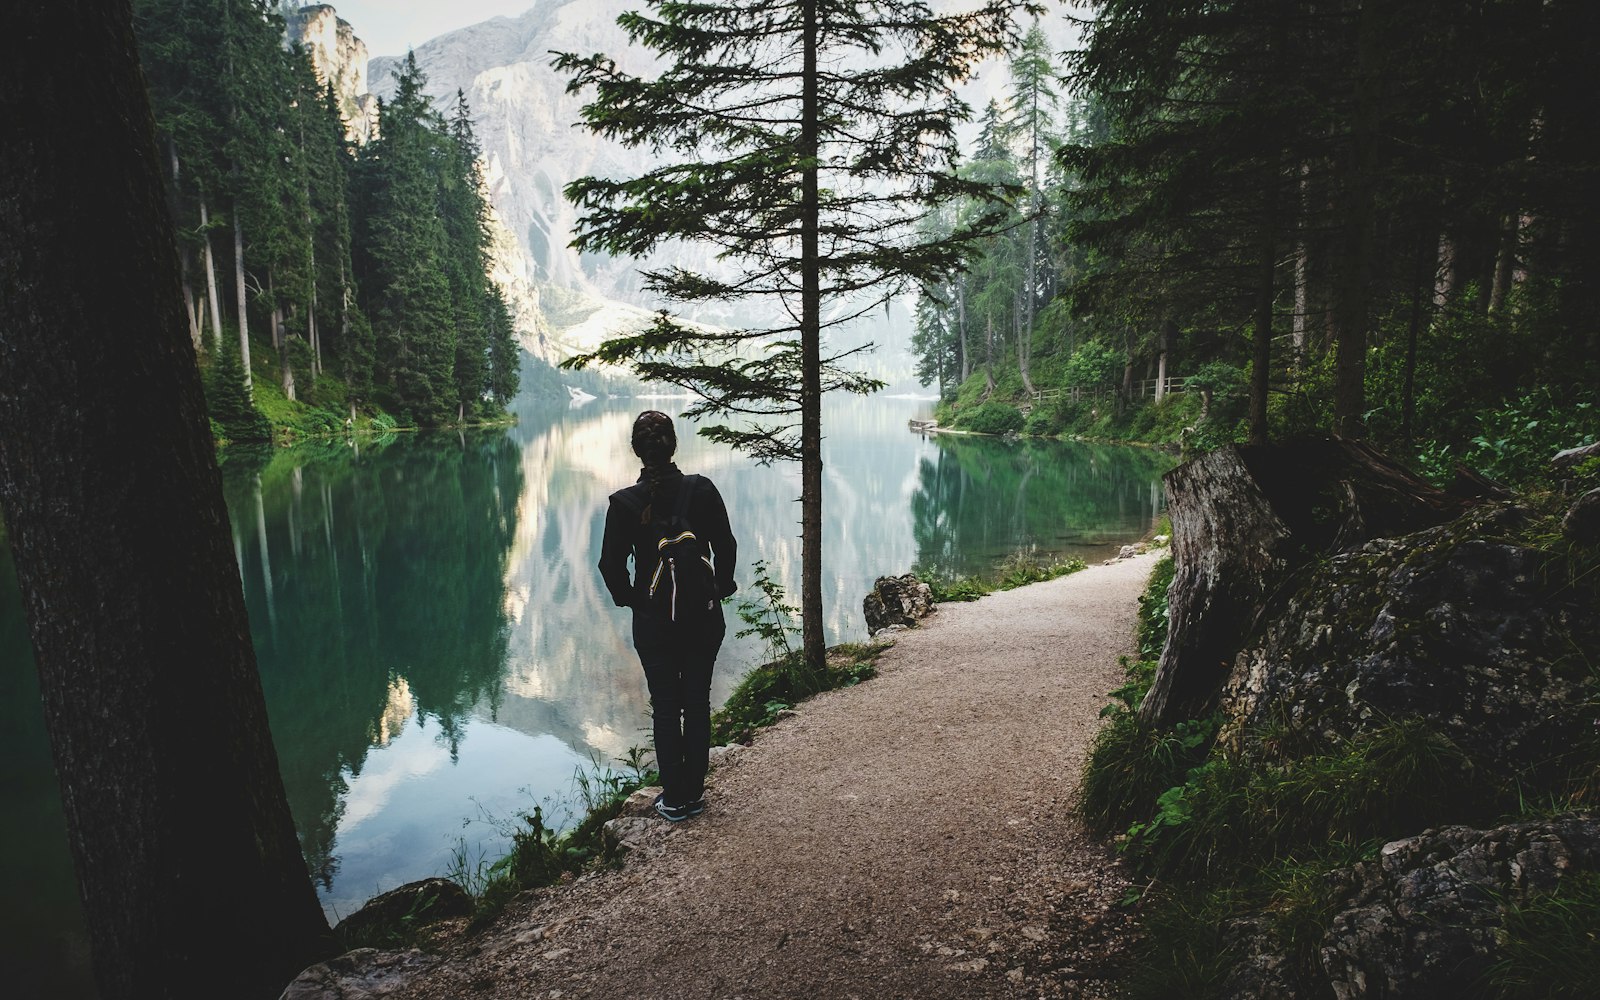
point(979, 500)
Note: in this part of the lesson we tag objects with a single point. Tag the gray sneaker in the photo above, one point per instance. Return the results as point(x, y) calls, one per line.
point(672, 814)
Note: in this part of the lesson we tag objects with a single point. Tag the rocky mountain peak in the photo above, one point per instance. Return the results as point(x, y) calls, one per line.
point(339, 58)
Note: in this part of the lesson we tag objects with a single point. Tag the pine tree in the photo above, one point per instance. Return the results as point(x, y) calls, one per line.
point(400, 255)
point(810, 139)
point(465, 216)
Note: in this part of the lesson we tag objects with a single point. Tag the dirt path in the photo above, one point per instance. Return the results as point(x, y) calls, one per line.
point(908, 838)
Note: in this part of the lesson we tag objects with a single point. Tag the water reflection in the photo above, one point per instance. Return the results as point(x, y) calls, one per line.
point(435, 643)
point(375, 584)
point(978, 500)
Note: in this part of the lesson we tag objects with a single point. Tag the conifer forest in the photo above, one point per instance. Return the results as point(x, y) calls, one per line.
point(1250, 220)
point(358, 268)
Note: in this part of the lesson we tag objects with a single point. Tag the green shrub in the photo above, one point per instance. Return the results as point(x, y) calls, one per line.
point(1094, 366)
point(1515, 442)
point(1392, 781)
point(992, 418)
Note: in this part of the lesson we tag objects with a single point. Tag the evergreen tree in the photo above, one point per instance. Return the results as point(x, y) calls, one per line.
point(400, 265)
point(810, 140)
point(505, 356)
point(464, 213)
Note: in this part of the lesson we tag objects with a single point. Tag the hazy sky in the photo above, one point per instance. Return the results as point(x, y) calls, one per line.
point(389, 27)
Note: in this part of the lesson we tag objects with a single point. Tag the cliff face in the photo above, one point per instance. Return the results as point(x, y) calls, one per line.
point(340, 58)
point(524, 119)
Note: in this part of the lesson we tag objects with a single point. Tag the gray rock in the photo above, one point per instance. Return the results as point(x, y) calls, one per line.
point(628, 834)
point(1424, 920)
point(362, 974)
point(641, 802)
point(723, 754)
point(897, 600)
point(1572, 456)
point(415, 904)
point(1451, 624)
point(1129, 551)
point(1582, 523)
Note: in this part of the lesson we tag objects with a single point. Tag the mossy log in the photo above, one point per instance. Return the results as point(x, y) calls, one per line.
point(1244, 519)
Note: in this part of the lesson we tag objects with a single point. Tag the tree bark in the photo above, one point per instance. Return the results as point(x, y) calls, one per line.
point(1350, 308)
point(211, 276)
point(191, 309)
point(1261, 328)
point(961, 325)
point(244, 298)
point(812, 640)
point(188, 866)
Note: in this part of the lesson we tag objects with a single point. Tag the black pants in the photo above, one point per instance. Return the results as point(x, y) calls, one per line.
point(677, 659)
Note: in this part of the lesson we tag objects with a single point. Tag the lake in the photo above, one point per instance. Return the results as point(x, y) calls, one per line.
point(438, 652)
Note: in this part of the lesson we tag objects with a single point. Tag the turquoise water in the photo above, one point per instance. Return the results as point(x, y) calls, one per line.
point(439, 654)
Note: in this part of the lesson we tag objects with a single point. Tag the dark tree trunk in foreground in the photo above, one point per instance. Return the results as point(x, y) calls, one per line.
point(188, 866)
point(1244, 518)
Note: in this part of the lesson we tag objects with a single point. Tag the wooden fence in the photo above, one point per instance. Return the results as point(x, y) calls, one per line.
point(1142, 389)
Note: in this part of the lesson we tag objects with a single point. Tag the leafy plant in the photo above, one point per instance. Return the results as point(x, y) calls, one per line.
point(993, 418)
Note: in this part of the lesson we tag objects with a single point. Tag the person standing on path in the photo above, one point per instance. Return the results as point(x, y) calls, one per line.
point(672, 526)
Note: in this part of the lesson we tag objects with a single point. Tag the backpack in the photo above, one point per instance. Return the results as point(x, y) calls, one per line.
point(683, 582)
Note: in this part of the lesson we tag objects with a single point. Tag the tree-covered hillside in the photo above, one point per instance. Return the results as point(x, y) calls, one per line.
point(321, 279)
point(1375, 219)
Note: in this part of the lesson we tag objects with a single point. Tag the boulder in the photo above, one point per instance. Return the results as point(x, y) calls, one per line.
point(1424, 919)
point(415, 904)
point(897, 600)
point(1245, 518)
point(362, 974)
point(1457, 624)
point(627, 834)
point(1572, 456)
point(1582, 523)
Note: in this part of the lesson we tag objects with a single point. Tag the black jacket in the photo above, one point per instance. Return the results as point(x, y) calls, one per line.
point(625, 537)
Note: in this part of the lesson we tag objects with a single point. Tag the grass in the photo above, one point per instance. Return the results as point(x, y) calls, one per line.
point(1551, 947)
point(1224, 837)
point(1019, 569)
point(781, 684)
point(541, 855)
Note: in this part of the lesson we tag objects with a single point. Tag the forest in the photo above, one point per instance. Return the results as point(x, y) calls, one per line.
point(1251, 220)
point(324, 280)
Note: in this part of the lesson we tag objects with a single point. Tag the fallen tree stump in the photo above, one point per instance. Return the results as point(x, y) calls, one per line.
point(1244, 519)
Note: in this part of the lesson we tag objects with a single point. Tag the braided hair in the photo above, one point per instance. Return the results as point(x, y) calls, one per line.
point(654, 441)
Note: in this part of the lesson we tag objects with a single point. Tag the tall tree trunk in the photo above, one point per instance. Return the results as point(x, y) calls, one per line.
point(1444, 281)
point(988, 360)
point(1505, 263)
point(174, 204)
point(1350, 307)
point(154, 708)
point(813, 642)
point(244, 298)
point(1408, 390)
point(961, 327)
point(1302, 275)
point(214, 300)
point(1261, 327)
point(1163, 343)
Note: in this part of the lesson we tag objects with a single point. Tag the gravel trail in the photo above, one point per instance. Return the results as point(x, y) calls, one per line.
point(908, 838)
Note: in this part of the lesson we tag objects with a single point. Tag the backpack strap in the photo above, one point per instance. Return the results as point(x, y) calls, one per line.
point(632, 497)
point(685, 494)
